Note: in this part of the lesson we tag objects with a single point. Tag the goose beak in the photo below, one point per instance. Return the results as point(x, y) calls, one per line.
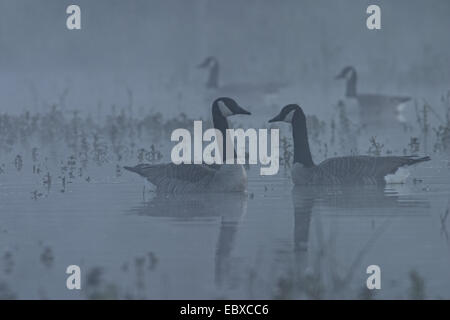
point(241, 110)
point(276, 118)
point(339, 76)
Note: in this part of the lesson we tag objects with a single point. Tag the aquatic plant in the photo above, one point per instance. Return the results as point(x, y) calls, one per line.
point(375, 148)
point(333, 132)
point(286, 152)
point(346, 131)
point(414, 145)
point(316, 128)
point(417, 288)
point(422, 119)
point(18, 162)
point(442, 132)
point(101, 141)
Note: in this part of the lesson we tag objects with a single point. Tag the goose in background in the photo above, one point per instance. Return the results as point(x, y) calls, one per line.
point(253, 92)
point(213, 78)
point(372, 107)
point(349, 170)
point(187, 178)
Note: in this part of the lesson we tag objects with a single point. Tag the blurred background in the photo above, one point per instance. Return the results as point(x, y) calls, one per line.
point(153, 47)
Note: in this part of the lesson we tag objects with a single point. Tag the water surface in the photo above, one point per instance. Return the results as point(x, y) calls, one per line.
point(274, 242)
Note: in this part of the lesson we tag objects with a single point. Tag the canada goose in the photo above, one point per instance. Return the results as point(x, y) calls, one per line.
point(213, 78)
point(372, 106)
point(350, 170)
point(237, 89)
point(186, 178)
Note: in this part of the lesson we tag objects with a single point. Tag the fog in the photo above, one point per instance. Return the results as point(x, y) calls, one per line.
point(152, 48)
point(79, 109)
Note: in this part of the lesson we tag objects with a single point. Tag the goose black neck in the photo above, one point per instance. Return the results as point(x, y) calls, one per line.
point(221, 123)
point(213, 79)
point(351, 84)
point(302, 153)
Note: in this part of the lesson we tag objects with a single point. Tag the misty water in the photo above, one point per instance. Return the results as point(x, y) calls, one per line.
point(275, 241)
point(75, 107)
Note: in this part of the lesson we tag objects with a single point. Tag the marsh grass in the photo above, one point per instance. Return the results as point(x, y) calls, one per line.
point(73, 146)
point(287, 152)
point(442, 132)
point(375, 148)
point(61, 146)
point(417, 286)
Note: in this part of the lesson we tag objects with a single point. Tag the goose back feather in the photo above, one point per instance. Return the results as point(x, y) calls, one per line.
point(352, 170)
point(372, 105)
point(190, 178)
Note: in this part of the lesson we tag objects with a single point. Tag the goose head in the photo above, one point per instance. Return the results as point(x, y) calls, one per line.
point(293, 114)
point(346, 73)
point(209, 61)
point(349, 74)
point(227, 107)
point(287, 113)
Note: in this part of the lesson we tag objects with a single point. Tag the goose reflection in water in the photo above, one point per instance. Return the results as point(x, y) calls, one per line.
point(228, 209)
point(317, 213)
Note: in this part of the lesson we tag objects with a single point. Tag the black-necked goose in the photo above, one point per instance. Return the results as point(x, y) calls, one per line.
point(350, 170)
point(212, 64)
point(186, 178)
point(373, 106)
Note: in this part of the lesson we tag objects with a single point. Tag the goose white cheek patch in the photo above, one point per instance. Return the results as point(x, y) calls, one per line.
point(289, 116)
point(399, 177)
point(224, 110)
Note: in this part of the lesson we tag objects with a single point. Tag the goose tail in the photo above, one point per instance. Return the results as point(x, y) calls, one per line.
point(404, 99)
point(414, 160)
point(141, 169)
point(132, 169)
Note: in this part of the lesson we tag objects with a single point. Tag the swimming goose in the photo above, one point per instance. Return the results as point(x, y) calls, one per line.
point(372, 106)
point(350, 170)
point(213, 78)
point(187, 178)
point(212, 64)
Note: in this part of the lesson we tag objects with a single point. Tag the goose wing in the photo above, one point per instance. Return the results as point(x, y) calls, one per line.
point(168, 177)
point(364, 169)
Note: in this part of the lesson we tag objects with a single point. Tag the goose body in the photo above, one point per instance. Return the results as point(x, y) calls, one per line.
point(253, 92)
point(372, 106)
point(349, 170)
point(200, 178)
point(193, 178)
